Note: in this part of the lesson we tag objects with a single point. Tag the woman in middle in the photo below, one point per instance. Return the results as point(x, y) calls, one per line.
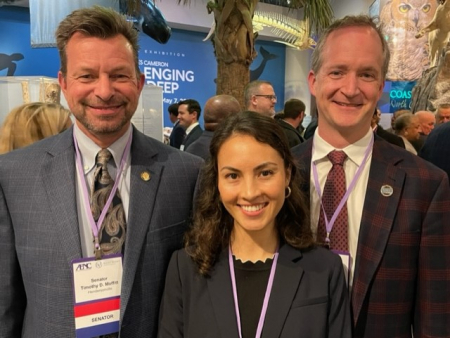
point(250, 267)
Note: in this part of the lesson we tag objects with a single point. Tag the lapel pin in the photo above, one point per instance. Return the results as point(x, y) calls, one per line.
point(145, 176)
point(386, 190)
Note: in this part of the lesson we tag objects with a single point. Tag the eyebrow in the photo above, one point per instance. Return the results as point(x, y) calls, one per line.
point(259, 167)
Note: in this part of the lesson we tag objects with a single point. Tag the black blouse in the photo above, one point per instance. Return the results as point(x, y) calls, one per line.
point(251, 284)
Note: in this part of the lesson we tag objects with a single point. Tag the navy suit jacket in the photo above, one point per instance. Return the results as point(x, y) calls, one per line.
point(402, 272)
point(437, 147)
point(200, 147)
point(308, 299)
point(177, 135)
point(39, 235)
point(192, 136)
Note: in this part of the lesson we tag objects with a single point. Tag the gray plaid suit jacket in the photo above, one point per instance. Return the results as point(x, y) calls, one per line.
point(39, 235)
point(402, 271)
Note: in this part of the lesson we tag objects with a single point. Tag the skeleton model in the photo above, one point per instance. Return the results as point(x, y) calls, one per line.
point(438, 30)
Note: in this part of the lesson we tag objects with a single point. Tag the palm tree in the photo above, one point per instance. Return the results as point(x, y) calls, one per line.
point(234, 38)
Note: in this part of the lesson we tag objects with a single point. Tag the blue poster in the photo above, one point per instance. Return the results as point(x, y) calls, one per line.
point(186, 67)
point(400, 95)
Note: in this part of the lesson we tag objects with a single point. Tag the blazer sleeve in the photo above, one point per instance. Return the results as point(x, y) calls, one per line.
point(171, 311)
point(339, 319)
point(432, 315)
point(12, 292)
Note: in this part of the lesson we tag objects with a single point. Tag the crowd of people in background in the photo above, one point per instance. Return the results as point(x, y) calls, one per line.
point(255, 226)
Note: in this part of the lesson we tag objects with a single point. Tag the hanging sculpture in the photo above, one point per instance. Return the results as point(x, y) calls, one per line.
point(294, 33)
point(148, 19)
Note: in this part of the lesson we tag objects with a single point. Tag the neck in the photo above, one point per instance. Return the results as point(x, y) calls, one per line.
point(253, 247)
point(103, 140)
point(291, 122)
point(341, 140)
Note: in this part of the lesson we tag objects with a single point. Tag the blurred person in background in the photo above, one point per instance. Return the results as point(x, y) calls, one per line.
point(32, 122)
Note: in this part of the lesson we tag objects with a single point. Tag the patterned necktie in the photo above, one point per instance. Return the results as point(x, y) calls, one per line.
point(112, 231)
point(333, 193)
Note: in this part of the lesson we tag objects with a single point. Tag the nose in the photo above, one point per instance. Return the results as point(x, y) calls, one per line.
point(105, 88)
point(350, 87)
point(250, 189)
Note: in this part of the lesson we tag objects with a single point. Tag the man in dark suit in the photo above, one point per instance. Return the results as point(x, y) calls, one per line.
point(391, 138)
point(188, 115)
point(397, 207)
point(47, 202)
point(291, 119)
point(177, 135)
point(216, 109)
point(437, 147)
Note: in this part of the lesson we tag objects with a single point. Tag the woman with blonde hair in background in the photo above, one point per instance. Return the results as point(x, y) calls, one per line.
point(32, 122)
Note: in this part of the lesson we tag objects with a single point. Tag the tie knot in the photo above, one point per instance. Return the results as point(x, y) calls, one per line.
point(103, 157)
point(337, 157)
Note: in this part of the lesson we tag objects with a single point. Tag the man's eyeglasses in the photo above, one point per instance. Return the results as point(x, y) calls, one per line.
point(270, 97)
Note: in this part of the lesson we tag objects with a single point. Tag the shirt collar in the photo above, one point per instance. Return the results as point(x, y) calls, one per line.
point(355, 151)
point(192, 126)
point(89, 149)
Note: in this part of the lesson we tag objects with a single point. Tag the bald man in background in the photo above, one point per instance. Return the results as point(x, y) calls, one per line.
point(443, 114)
point(427, 120)
point(216, 109)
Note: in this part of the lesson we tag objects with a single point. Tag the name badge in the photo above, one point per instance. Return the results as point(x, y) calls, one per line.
point(346, 263)
point(97, 285)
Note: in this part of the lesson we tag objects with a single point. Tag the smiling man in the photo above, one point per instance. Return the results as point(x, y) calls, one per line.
point(384, 210)
point(54, 195)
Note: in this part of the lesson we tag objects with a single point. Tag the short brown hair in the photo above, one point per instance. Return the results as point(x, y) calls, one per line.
point(350, 21)
point(293, 108)
point(96, 21)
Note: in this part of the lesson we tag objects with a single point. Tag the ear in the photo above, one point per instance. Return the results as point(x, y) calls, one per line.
point(288, 176)
point(62, 81)
point(312, 82)
point(141, 82)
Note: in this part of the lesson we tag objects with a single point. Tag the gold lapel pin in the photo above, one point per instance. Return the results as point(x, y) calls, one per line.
point(145, 176)
point(386, 190)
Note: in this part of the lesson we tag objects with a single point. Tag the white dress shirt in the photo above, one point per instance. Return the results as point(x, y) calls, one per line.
point(88, 150)
point(355, 155)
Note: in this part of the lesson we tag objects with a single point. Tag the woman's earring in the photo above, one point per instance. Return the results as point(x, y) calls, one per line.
point(288, 191)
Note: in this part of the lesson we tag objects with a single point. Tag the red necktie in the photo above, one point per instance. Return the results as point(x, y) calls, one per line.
point(333, 193)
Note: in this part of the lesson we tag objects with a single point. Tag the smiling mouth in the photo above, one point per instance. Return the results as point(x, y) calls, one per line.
point(343, 104)
point(253, 208)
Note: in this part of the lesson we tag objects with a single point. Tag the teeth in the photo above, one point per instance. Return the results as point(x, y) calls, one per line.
point(252, 207)
point(348, 104)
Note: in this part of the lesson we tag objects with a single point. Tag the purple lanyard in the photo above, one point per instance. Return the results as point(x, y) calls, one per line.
point(329, 224)
point(266, 296)
point(96, 226)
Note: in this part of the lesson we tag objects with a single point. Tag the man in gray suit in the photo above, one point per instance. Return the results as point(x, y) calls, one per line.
point(45, 206)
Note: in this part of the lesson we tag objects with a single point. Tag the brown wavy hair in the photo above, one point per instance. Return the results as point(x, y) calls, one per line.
point(212, 224)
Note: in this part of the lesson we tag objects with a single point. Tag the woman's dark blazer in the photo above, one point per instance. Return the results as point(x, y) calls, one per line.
point(308, 299)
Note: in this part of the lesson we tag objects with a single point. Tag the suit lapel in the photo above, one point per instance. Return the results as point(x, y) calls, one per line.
point(377, 218)
point(220, 291)
point(288, 275)
point(58, 175)
point(144, 182)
